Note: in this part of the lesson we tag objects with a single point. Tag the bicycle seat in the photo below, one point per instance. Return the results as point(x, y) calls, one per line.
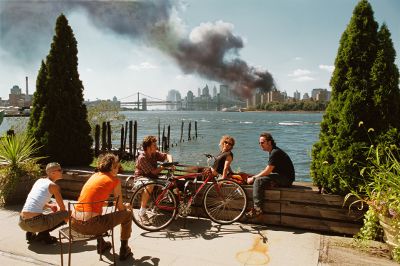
point(169, 164)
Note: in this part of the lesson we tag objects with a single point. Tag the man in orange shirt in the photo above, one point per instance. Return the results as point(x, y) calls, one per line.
point(98, 188)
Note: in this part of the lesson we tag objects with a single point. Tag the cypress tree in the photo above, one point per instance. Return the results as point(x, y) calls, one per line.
point(38, 100)
point(59, 119)
point(385, 81)
point(342, 143)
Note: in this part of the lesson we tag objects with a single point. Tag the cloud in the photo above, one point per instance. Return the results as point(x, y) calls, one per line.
point(143, 65)
point(300, 72)
point(304, 79)
point(327, 68)
point(301, 75)
point(298, 58)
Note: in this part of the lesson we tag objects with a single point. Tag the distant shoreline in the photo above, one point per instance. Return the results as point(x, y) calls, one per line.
point(291, 111)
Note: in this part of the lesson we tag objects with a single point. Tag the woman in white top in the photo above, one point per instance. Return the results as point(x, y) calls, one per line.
point(32, 219)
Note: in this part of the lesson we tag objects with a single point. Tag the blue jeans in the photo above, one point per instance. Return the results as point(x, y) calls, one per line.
point(43, 222)
point(263, 182)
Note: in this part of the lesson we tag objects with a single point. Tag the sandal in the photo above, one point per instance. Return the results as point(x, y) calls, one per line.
point(254, 212)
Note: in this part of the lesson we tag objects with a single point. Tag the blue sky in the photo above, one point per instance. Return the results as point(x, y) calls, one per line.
point(294, 40)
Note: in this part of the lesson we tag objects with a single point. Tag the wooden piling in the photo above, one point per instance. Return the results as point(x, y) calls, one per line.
point(97, 140)
point(130, 137)
point(163, 139)
point(103, 137)
point(109, 133)
point(125, 136)
point(159, 131)
point(134, 140)
point(195, 128)
point(180, 140)
point(190, 128)
point(168, 137)
point(121, 148)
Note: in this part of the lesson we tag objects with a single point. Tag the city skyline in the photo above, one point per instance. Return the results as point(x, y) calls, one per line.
point(296, 41)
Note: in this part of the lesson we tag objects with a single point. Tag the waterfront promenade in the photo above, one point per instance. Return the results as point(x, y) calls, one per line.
point(201, 242)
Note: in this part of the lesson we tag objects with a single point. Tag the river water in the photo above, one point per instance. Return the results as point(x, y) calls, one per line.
point(294, 132)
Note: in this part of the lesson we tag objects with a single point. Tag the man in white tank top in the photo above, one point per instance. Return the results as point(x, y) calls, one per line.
point(32, 219)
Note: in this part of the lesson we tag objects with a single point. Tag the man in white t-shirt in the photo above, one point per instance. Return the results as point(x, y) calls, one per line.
point(32, 219)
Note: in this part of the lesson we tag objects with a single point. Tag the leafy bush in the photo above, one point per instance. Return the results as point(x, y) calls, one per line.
point(17, 163)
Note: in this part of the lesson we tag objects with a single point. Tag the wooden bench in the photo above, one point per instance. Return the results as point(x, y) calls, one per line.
point(300, 206)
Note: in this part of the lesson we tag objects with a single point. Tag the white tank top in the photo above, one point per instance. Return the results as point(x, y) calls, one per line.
point(38, 196)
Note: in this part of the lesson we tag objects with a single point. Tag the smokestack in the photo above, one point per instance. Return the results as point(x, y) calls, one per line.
point(27, 92)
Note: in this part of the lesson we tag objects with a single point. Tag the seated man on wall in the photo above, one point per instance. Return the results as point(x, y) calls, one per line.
point(32, 219)
point(279, 172)
point(146, 167)
point(99, 187)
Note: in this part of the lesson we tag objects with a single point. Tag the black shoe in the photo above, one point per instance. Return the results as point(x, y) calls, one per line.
point(254, 212)
point(46, 238)
point(124, 253)
point(105, 246)
point(29, 236)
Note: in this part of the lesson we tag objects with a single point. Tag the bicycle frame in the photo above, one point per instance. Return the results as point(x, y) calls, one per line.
point(173, 184)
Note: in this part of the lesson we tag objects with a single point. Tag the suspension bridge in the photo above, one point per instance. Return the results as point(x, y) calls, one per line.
point(142, 101)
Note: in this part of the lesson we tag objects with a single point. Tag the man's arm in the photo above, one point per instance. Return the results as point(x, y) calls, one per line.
point(55, 190)
point(264, 172)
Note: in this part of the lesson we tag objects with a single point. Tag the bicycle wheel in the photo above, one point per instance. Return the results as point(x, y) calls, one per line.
point(225, 201)
point(161, 206)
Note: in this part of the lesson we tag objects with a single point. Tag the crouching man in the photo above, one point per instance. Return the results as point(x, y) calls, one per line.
point(32, 219)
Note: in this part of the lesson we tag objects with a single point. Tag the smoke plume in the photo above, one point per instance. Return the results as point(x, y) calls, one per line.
point(210, 50)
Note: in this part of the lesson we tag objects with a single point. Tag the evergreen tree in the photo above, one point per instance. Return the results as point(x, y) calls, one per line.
point(342, 143)
point(38, 101)
point(59, 119)
point(385, 81)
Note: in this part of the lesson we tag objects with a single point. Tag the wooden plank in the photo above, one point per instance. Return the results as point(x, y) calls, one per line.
point(321, 212)
point(320, 225)
point(268, 194)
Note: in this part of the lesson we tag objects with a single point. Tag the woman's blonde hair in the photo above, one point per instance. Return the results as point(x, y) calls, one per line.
point(226, 138)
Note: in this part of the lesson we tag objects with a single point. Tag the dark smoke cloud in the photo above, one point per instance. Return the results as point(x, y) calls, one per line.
point(211, 50)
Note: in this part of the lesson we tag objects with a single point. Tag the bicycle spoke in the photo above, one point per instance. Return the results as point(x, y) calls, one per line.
point(225, 202)
point(160, 207)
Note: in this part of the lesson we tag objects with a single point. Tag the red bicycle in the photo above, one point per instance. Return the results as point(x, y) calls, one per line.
point(156, 204)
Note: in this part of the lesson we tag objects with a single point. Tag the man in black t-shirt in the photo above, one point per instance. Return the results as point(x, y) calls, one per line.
point(279, 172)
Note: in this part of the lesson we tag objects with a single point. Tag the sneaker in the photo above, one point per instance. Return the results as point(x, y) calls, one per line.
point(105, 246)
point(254, 212)
point(46, 238)
point(29, 236)
point(124, 253)
point(144, 219)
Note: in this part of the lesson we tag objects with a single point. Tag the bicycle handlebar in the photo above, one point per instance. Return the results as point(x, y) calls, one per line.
point(169, 164)
point(209, 156)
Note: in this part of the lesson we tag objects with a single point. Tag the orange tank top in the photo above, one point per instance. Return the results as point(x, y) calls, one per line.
point(98, 187)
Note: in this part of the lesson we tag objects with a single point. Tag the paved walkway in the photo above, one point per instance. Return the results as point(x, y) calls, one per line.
point(201, 242)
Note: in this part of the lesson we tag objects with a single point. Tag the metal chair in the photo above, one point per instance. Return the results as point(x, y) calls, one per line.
point(67, 232)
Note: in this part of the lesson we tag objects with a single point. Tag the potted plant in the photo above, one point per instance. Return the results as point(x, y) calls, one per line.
point(18, 167)
point(382, 193)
